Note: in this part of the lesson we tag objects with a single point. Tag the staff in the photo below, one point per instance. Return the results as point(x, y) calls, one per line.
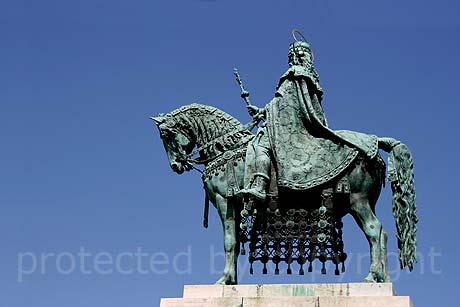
point(244, 93)
point(253, 110)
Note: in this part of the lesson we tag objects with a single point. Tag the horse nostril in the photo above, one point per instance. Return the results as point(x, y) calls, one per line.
point(177, 167)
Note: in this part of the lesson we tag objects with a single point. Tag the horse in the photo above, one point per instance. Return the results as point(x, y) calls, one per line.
point(220, 141)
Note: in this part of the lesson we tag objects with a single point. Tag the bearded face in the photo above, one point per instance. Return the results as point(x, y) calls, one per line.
point(300, 54)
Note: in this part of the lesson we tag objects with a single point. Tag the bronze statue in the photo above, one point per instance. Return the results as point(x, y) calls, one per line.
point(285, 190)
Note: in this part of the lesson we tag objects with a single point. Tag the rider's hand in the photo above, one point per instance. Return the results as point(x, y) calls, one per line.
point(253, 110)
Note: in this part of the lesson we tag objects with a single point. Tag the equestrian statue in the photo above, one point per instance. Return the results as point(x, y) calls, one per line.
point(281, 193)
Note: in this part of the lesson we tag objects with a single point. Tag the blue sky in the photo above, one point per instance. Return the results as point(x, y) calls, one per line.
point(83, 168)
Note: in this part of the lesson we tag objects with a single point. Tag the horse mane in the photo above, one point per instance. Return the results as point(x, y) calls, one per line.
point(205, 124)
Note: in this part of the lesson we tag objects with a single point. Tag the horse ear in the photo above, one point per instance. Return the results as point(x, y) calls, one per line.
point(158, 120)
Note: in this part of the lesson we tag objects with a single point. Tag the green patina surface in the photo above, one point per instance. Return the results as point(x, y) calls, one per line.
point(293, 161)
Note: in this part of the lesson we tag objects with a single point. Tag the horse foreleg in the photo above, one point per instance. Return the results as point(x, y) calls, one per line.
point(227, 215)
point(376, 236)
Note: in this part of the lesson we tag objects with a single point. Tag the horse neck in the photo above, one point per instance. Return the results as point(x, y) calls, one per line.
point(211, 129)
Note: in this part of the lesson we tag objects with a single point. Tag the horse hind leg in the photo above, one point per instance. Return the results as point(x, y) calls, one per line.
point(365, 217)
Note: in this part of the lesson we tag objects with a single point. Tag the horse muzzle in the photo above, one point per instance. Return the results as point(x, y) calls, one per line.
point(177, 167)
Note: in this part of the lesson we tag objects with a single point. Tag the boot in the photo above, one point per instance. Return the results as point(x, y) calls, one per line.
point(258, 189)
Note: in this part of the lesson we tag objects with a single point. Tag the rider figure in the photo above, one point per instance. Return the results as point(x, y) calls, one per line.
point(300, 60)
point(296, 138)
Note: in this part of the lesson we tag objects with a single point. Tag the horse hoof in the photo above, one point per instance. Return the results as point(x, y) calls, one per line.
point(225, 280)
point(225, 283)
point(369, 279)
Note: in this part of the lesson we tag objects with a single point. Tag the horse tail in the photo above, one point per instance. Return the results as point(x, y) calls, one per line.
point(401, 177)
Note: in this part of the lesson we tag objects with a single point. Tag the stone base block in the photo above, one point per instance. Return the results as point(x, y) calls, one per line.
point(290, 295)
point(202, 302)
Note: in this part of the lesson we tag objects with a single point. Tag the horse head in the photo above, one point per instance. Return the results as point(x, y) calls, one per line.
point(209, 129)
point(177, 142)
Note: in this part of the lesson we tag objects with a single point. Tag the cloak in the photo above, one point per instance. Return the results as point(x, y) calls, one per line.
point(306, 152)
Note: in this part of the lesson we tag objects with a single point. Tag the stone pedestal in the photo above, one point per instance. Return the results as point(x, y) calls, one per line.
point(290, 295)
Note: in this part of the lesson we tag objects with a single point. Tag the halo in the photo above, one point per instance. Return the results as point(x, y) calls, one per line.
point(303, 39)
point(297, 31)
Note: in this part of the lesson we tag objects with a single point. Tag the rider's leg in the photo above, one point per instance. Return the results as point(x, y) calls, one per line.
point(261, 176)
